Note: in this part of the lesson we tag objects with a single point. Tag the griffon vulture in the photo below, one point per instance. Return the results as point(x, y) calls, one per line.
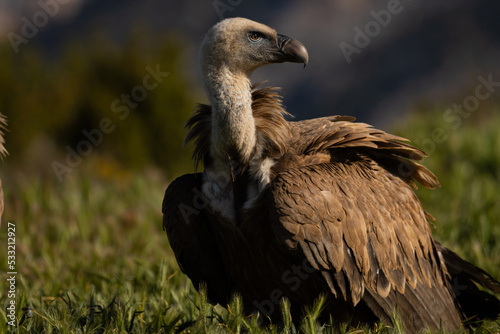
point(297, 209)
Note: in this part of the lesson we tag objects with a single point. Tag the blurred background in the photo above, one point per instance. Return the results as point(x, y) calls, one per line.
point(65, 62)
point(97, 93)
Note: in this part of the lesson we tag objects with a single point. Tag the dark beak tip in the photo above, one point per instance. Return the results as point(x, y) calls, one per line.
point(304, 55)
point(296, 52)
point(301, 53)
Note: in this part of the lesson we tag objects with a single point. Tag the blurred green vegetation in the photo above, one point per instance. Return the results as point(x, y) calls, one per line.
point(92, 257)
point(49, 100)
point(466, 161)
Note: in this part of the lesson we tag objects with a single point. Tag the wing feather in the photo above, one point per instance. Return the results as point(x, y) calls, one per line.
point(336, 133)
point(189, 229)
point(358, 222)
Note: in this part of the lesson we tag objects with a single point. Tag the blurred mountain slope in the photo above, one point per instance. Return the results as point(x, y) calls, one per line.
point(426, 55)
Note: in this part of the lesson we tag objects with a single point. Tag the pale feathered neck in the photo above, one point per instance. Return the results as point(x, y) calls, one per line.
point(272, 131)
point(233, 134)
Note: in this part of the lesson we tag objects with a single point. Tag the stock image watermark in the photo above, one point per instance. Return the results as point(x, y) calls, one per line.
point(216, 186)
point(364, 35)
point(11, 274)
point(120, 107)
point(454, 116)
point(293, 278)
point(32, 25)
point(224, 6)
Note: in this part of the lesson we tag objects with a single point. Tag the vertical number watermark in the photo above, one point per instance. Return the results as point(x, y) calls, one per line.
point(11, 273)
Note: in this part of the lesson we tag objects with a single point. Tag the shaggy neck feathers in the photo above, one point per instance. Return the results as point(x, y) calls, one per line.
point(233, 134)
point(272, 135)
point(271, 129)
point(228, 138)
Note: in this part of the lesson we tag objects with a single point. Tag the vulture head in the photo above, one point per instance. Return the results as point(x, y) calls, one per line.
point(229, 53)
point(244, 45)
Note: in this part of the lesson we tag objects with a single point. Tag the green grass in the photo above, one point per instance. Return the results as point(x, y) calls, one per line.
point(91, 255)
point(466, 161)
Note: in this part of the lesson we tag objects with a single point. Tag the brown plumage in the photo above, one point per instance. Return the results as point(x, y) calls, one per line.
point(319, 206)
point(272, 128)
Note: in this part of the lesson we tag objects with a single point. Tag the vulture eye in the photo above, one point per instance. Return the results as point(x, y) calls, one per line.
point(254, 36)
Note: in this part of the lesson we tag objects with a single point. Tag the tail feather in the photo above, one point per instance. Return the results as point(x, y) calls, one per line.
point(464, 280)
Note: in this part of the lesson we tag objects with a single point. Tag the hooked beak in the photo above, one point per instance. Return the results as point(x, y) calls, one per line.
point(292, 50)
